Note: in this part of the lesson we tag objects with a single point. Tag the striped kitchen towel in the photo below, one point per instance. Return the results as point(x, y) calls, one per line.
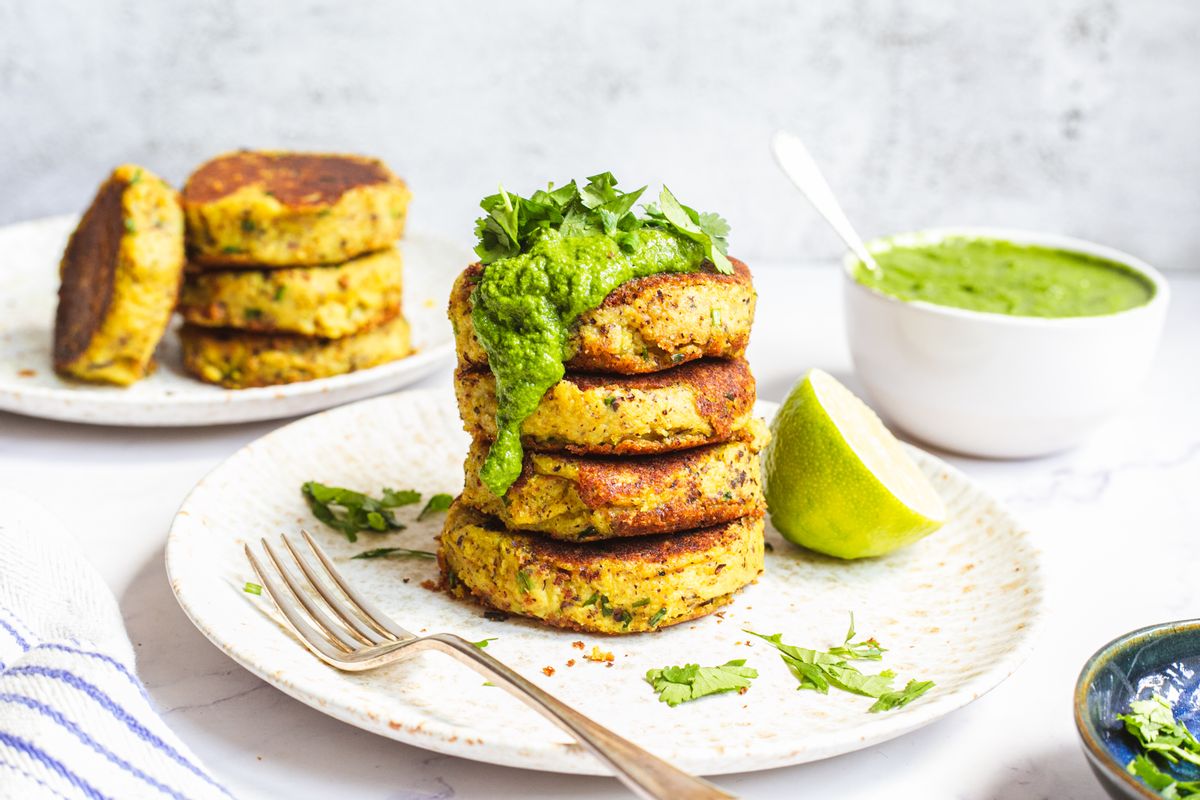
point(75, 721)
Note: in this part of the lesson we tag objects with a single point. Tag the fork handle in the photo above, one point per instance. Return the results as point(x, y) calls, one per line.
point(646, 775)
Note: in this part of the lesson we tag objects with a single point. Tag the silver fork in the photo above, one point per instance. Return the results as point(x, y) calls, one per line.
point(347, 631)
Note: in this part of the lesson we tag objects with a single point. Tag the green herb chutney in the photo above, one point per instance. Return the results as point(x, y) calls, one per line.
point(1001, 277)
point(523, 309)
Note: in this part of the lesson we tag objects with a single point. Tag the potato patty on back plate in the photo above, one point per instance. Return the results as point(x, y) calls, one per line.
point(329, 301)
point(272, 209)
point(575, 498)
point(702, 402)
point(644, 325)
point(618, 586)
point(239, 359)
point(120, 277)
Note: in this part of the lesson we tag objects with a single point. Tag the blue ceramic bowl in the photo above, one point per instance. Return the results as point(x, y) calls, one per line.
point(1162, 658)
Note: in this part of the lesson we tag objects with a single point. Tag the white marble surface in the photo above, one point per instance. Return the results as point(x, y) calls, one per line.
point(1077, 116)
point(1123, 504)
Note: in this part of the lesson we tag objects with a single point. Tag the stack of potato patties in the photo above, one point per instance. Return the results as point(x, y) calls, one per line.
point(639, 504)
point(293, 271)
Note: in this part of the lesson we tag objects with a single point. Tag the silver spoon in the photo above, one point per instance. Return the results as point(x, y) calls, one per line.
point(799, 166)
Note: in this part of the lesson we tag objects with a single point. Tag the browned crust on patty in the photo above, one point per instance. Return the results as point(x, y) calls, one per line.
point(708, 377)
point(580, 556)
point(722, 391)
point(605, 481)
point(628, 290)
point(296, 180)
point(661, 296)
point(88, 272)
point(675, 480)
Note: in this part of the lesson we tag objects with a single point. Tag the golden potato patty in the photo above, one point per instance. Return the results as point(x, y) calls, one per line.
point(330, 302)
point(238, 359)
point(272, 209)
point(579, 498)
point(618, 586)
point(643, 325)
point(702, 402)
point(120, 278)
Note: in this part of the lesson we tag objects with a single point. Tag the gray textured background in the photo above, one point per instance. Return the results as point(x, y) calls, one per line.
point(1076, 116)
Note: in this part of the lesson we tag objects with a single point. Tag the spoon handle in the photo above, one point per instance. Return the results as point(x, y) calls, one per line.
point(798, 164)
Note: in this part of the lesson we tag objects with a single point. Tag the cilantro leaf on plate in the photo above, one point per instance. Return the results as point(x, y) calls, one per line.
point(439, 502)
point(898, 699)
point(680, 684)
point(349, 511)
point(393, 498)
point(818, 670)
point(399, 552)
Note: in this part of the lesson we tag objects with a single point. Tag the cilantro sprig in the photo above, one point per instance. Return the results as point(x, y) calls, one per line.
point(1153, 724)
point(681, 684)
point(396, 552)
point(819, 670)
point(1166, 784)
point(352, 512)
point(439, 502)
point(512, 223)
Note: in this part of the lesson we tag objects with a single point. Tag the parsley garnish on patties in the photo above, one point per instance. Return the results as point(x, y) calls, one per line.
point(512, 222)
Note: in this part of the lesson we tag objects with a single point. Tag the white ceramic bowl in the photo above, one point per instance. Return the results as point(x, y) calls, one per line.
point(995, 385)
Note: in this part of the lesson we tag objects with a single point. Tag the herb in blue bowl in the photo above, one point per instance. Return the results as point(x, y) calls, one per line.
point(1137, 709)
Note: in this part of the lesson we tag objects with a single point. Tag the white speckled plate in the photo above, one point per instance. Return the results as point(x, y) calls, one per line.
point(29, 256)
point(959, 608)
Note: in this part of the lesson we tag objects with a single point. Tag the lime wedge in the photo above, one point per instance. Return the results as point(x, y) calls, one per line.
point(838, 482)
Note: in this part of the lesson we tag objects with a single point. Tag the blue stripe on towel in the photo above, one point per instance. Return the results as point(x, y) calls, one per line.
point(82, 736)
point(120, 713)
point(12, 615)
point(36, 753)
point(93, 654)
point(33, 778)
point(18, 638)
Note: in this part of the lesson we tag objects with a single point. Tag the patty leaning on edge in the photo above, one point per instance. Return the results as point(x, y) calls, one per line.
point(643, 325)
point(702, 402)
point(278, 209)
point(329, 301)
point(574, 498)
point(240, 360)
point(120, 277)
point(620, 586)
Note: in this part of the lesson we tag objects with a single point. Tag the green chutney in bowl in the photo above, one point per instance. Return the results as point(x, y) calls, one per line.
point(1001, 343)
point(996, 276)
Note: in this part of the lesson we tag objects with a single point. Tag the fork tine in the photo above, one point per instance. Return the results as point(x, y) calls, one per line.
point(332, 599)
point(314, 640)
point(326, 623)
point(364, 607)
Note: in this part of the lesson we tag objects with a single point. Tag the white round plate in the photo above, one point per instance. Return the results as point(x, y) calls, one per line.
point(29, 256)
point(958, 608)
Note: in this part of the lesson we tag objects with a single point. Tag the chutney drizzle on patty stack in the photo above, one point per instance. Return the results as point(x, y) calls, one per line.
point(613, 481)
point(293, 272)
